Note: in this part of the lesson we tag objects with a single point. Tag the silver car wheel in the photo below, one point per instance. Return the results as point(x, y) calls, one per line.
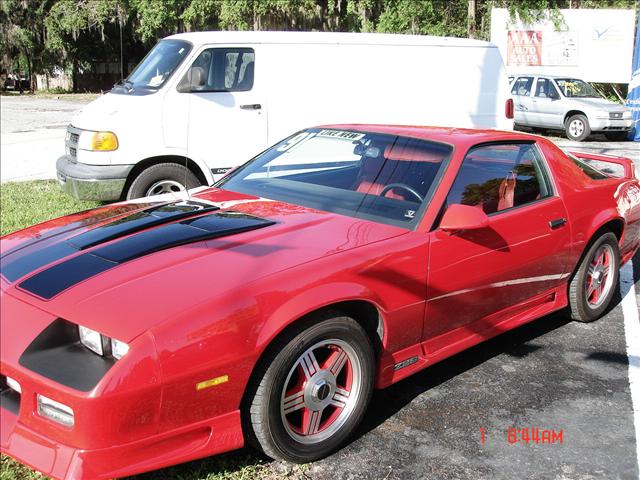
point(321, 391)
point(164, 186)
point(576, 127)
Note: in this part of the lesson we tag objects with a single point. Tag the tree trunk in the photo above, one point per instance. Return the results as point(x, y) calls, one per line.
point(471, 18)
point(74, 76)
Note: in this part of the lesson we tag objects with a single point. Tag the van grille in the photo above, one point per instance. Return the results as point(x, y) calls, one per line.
point(615, 115)
point(71, 143)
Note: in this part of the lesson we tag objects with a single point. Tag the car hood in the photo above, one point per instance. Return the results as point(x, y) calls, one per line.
point(126, 268)
point(598, 103)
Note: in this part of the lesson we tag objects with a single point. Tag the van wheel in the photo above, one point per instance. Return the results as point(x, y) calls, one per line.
point(594, 283)
point(162, 178)
point(313, 390)
point(577, 127)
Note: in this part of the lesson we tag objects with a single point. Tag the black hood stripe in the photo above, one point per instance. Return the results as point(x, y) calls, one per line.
point(51, 281)
point(150, 217)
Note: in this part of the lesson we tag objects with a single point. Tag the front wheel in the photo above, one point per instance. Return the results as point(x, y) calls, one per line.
point(594, 283)
point(162, 178)
point(577, 127)
point(314, 390)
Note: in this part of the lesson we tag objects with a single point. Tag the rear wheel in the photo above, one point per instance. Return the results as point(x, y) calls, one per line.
point(577, 127)
point(594, 282)
point(313, 391)
point(162, 178)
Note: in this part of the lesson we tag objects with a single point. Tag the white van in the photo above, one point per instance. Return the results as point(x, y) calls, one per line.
point(201, 103)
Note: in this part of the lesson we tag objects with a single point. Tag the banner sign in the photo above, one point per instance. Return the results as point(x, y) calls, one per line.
point(538, 48)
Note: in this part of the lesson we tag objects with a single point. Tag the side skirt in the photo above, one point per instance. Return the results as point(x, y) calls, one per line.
point(392, 369)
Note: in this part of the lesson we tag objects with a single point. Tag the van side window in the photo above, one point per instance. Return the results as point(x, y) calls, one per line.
point(545, 89)
point(522, 86)
point(226, 69)
point(500, 176)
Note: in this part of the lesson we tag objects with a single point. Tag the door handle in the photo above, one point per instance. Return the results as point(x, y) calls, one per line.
point(557, 223)
point(251, 106)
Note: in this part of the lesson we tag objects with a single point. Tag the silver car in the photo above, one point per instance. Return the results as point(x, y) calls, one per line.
point(569, 104)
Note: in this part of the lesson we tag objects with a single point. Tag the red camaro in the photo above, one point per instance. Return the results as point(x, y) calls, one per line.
point(267, 308)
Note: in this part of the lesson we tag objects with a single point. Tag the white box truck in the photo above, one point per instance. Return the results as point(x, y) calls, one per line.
point(201, 103)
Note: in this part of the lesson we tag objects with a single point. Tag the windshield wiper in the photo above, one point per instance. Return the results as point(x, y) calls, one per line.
point(128, 84)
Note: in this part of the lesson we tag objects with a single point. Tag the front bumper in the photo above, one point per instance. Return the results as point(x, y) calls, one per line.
point(59, 461)
point(92, 182)
point(609, 125)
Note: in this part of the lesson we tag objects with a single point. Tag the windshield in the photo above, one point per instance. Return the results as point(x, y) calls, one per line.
point(572, 87)
point(379, 177)
point(158, 65)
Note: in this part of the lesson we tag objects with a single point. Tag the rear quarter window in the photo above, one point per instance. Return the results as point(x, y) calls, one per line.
point(587, 169)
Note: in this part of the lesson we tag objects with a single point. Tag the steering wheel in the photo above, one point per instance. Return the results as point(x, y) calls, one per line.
point(407, 188)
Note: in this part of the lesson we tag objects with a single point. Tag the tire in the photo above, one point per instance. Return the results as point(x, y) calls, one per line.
point(577, 127)
point(616, 136)
point(162, 178)
point(587, 306)
point(320, 410)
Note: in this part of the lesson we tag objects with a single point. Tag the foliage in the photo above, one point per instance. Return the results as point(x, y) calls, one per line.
point(35, 35)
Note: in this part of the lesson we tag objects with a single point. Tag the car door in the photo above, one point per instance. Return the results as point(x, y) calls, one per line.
point(522, 102)
point(224, 107)
point(478, 278)
point(547, 106)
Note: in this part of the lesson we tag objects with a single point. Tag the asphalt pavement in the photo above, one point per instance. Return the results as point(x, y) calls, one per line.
point(32, 131)
point(566, 377)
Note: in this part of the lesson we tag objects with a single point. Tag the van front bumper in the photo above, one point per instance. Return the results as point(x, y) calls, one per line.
point(92, 182)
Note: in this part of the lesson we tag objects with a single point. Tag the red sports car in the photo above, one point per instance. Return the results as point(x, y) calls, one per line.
point(267, 308)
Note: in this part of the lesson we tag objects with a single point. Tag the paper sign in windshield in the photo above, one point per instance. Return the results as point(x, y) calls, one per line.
point(341, 134)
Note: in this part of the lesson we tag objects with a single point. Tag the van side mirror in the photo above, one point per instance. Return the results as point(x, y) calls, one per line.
point(463, 217)
point(194, 79)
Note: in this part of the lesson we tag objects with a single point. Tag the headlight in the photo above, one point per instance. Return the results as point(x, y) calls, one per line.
point(602, 114)
point(91, 339)
point(101, 344)
point(626, 114)
point(98, 141)
point(118, 349)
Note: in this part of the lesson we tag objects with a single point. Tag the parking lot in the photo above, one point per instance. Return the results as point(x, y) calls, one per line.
point(467, 417)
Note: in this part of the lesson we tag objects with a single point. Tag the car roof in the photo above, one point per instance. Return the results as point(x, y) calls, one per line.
point(450, 135)
point(239, 37)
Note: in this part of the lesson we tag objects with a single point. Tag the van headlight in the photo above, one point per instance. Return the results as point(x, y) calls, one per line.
point(626, 114)
point(98, 141)
point(101, 344)
point(602, 114)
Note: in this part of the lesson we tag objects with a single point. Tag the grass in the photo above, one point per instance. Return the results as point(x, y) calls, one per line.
point(23, 204)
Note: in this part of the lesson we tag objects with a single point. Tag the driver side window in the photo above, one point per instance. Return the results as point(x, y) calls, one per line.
point(498, 177)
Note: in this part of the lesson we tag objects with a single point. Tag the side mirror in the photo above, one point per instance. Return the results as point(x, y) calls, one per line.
point(194, 79)
point(463, 217)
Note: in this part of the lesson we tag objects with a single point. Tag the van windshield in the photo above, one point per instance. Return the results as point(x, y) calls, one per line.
point(572, 87)
point(158, 65)
point(384, 178)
